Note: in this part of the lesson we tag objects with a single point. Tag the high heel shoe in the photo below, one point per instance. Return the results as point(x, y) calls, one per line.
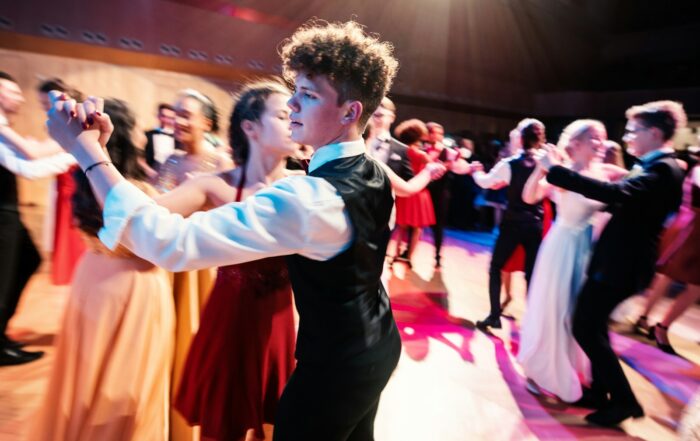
point(666, 347)
point(641, 326)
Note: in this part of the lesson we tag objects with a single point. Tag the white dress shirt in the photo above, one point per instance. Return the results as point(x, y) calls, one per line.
point(35, 168)
point(499, 173)
point(296, 215)
point(163, 146)
point(380, 147)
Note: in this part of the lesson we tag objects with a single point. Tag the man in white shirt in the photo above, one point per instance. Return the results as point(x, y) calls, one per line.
point(384, 147)
point(522, 222)
point(20, 258)
point(333, 225)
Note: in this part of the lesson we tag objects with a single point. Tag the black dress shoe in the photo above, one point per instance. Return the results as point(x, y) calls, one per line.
point(7, 342)
point(613, 415)
point(489, 322)
point(11, 357)
point(591, 399)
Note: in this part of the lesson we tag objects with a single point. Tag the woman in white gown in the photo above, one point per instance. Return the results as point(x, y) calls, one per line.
point(550, 357)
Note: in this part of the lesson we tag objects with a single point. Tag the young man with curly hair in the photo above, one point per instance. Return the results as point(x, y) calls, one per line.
point(332, 225)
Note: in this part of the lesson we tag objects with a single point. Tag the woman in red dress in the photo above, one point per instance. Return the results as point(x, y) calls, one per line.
point(415, 212)
point(68, 245)
point(243, 352)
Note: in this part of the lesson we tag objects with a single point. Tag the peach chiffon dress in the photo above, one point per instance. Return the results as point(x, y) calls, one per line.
point(111, 376)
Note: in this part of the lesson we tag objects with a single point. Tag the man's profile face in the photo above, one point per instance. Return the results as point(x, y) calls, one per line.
point(11, 97)
point(166, 118)
point(382, 119)
point(316, 117)
point(639, 138)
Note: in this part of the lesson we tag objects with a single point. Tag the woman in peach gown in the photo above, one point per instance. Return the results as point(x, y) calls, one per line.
point(111, 377)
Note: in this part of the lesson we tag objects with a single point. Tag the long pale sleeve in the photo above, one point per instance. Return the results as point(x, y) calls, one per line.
point(297, 215)
point(499, 173)
point(36, 168)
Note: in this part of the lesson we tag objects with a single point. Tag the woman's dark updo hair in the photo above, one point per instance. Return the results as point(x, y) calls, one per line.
point(530, 136)
point(249, 106)
point(123, 154)
point(212, 114)
point(208, 108)
point(47, 86)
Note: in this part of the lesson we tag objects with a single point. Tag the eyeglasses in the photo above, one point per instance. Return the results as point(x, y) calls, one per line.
point(635, 131)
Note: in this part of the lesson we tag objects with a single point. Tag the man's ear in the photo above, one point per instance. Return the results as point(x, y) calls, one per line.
point(353, 111)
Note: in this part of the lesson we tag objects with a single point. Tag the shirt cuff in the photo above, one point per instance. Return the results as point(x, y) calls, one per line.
point(480, 178)
point(122, 201)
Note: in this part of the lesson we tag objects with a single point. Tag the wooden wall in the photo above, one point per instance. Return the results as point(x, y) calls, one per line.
point(142, 88)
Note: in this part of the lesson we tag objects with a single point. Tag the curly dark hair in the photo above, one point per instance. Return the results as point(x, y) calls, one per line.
point(123, 154)
point(411, 131)
point(667, 116)
point(358, 65)
point(249, 106)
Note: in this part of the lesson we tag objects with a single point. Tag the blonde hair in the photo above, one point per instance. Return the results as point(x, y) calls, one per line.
point(577, 130)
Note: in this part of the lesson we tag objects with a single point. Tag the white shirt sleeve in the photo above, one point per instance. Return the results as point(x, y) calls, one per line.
point(296, 215)
point(36, 168)
point(499, 173)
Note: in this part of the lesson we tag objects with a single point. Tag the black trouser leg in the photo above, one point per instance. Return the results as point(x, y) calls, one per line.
point(333, 403)
point(531, 236)
point(439, 193)
point(364, 430)
point(590, 328)
point(506, 242)
point(19, 259)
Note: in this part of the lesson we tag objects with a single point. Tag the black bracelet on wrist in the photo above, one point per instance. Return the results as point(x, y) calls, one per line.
point(95, 165)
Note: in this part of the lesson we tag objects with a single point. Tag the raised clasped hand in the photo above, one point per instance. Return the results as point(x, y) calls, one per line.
point(476, 166)
point(548, 157)
point(436, 169)
point(73, 124)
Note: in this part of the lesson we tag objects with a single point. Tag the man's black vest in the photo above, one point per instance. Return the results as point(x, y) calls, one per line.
point(344, 311)
point(518, 211)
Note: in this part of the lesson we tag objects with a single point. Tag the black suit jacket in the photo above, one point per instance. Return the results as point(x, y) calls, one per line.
point(149, 150)
point(626, 253)
point(398, 160)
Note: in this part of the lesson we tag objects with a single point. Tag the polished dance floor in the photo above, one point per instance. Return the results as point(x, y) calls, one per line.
point(453, 383)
